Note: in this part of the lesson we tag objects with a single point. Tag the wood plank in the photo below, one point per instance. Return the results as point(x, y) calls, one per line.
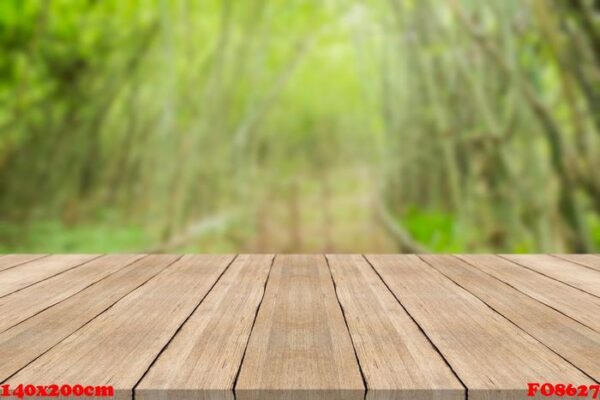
point(17, 278)
point(589, 260)
point(397, 359)
point(578, 305)
point(28, 340)
point(572, 274)
point(19, 306)
point(491, 356)
point(12, 260)
point(300, 347)
point(204, 358)
point(575, 342)
point(118, 346)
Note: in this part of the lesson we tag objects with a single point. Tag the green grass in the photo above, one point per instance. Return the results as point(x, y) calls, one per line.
point(52, 236)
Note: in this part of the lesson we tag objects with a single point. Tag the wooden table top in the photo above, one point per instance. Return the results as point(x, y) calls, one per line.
point(301, 326)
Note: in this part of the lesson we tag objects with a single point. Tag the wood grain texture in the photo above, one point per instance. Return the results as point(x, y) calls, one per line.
point(211, 327)
point(118, 346)
point(300, 347)
point(17, 278)
point(491, 356)
point(570, 273)
point(19, 306)
point(575, 342)
point(575, 303)
point(204, 358)
point(12, 260)
point(26, 341)
point(397, 359)
point(589, 260)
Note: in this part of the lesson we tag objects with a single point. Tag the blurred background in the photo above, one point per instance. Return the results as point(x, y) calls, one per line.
point(300, 126)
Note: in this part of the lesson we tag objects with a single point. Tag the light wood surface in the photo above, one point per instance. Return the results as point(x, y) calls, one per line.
point(572, 302)
point(490, 354)
point(27, 274)
point(572, 274)
point(119, 345)
point(26, 341)
point(204, 358)
point(300, 347)
point(383, 327)
point(589, 260)
point(19, 306)
point(397, 359)
point(12, 260)
point(567, 337)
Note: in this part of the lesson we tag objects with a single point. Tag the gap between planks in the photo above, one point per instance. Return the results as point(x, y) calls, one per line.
point(569, 273)
point(93, 353)
point(524, 311)
point(258, 309)
point(30, 339)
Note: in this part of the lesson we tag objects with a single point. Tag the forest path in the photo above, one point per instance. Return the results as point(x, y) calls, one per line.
point(325, 213)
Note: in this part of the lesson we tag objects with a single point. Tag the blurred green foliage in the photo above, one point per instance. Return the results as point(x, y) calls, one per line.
point(337, 125)
point(436, 228)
